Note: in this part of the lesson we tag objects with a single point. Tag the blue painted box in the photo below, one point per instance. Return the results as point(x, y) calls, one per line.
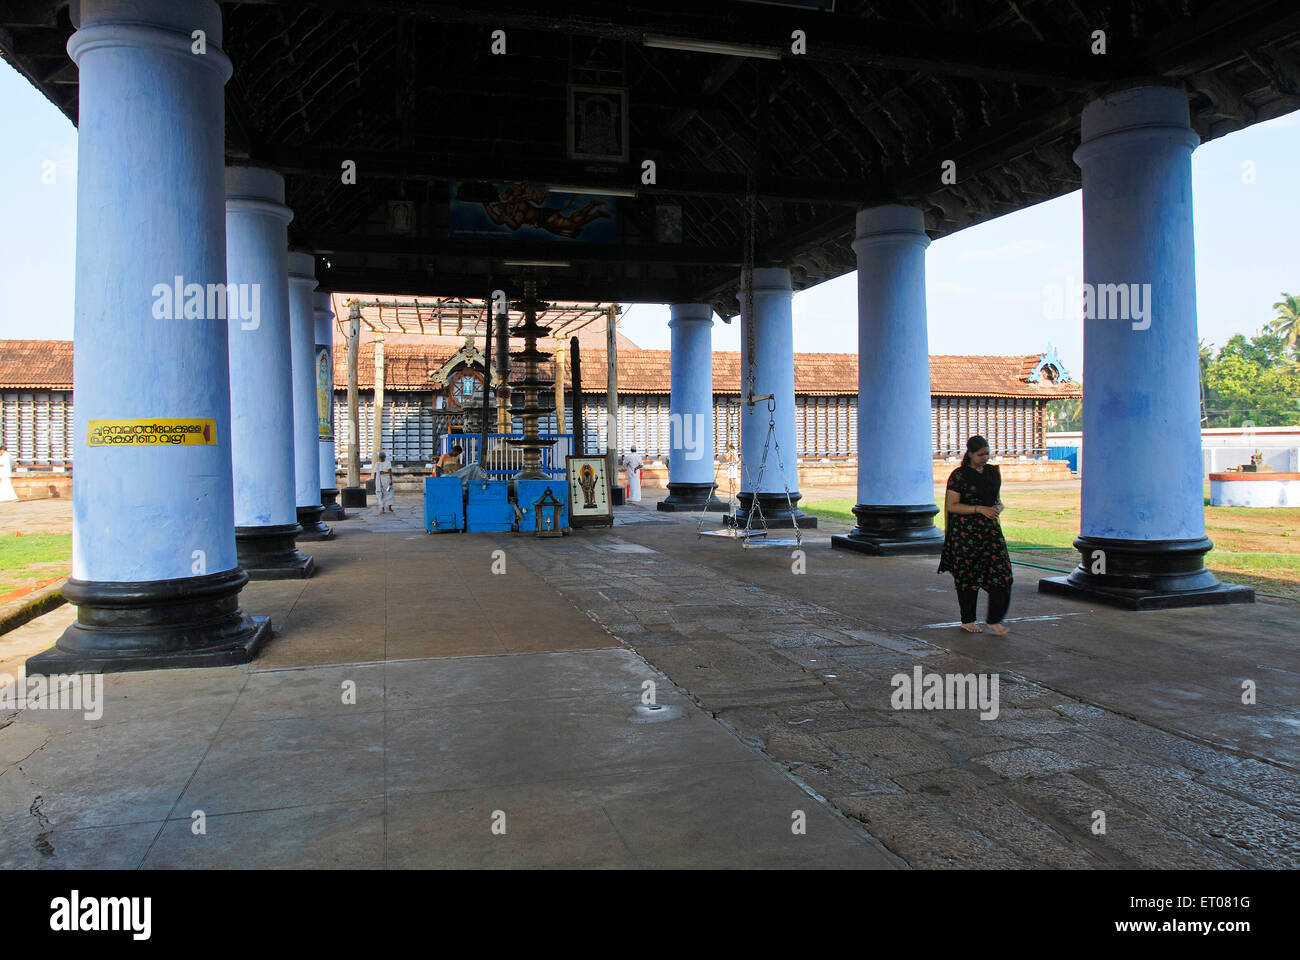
point(444, 506)
point(528, 492)
point(488, 509)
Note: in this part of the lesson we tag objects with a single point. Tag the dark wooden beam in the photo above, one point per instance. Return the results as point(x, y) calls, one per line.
point(675, 179)
point(552, 285)
point(837, 38)
point(914, 185)
point(508, 249)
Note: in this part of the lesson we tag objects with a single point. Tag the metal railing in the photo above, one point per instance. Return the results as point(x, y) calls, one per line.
point(506, 460)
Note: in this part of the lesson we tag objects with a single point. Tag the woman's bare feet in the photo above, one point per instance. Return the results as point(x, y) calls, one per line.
point(998, 629)
point(971, 628)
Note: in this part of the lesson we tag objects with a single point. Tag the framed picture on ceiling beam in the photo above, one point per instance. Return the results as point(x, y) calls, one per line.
point(597, 127)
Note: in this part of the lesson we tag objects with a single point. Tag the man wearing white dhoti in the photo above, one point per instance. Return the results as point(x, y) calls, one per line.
point(7, 491)
point(632, 463)
point(384, 483)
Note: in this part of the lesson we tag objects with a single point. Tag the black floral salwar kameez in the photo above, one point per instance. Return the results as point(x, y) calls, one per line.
point(974, 550)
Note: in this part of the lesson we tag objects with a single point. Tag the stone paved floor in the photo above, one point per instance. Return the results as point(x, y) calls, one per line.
point(481, 701)
point(520, 692)
point(1139, 716)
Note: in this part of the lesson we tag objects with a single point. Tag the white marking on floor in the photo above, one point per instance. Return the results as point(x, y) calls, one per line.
point(1054, 616)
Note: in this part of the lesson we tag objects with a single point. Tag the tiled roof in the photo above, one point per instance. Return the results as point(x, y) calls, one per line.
point(36, 364)
point(831, 374)
point(47, 364)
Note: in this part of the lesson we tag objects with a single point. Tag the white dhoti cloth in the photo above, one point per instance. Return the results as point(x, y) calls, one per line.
point(384, 486)
point(7, 491)
point(633, 464)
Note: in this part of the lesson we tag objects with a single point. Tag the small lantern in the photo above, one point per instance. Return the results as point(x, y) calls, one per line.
point(546, 511)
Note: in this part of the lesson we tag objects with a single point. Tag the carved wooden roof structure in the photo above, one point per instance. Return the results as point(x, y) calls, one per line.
point(886, 92)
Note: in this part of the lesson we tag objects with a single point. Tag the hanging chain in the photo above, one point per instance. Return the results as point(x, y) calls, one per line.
point(747, 280)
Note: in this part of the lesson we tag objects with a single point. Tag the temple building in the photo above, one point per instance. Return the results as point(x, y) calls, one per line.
point(433, 383)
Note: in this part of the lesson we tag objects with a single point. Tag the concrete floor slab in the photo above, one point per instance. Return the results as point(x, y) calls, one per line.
point(35, 845)
point(266, 764)
point(320, 836)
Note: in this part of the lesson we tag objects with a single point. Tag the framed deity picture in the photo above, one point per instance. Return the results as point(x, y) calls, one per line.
point(597, 128)
point(589, 504)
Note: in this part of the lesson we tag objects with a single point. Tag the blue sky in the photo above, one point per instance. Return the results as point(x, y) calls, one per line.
point(985, 285)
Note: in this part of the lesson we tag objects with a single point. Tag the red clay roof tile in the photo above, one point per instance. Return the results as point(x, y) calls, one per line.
point(47, 364)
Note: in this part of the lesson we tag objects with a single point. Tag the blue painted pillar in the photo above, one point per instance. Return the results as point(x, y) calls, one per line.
point(324, 372)
point(1143, 527)
point(154, 571)
point(690, 405)
point(306, 420)
point(773, 366)
point(261, 395)
point(896, 508)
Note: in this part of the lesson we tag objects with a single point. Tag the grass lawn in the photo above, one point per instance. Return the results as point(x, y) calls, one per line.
point(1260, 548)
point(26, 559)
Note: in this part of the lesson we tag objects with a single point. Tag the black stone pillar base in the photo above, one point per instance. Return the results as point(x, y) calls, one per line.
point(269, 553)
point(1145, 575)
point(154, 625)
point(775, 510)
point(312, 528)
point(330, 510)
point(354, 496)
point(691, 498)
point(893, 531)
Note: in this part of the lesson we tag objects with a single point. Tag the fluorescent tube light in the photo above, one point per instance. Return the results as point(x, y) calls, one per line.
point(606, 191)
point(536, 263)
point(711, 46)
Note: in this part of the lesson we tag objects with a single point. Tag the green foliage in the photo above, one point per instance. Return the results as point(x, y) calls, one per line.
point(1065, 414)
point(1287, 322)
point(1251, 379)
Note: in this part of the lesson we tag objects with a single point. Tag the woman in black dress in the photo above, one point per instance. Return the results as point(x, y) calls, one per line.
point(973, 547)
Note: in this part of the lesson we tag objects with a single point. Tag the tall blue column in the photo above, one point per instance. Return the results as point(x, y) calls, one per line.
point(306, 420)
point(261, 394)
point(773, 366)
point(896, 508)
point(324, 372)
point(690, 405)
point(1143, 537)
point(154, 571)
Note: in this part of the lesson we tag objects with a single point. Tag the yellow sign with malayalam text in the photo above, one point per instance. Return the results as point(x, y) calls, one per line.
point(151, 433)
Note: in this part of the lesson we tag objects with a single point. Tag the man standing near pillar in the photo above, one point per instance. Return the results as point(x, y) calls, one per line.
point(155, 577)
point(632, 464)
point(896, 507)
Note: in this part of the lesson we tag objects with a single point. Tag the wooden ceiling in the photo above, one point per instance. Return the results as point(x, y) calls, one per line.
point(887, 91)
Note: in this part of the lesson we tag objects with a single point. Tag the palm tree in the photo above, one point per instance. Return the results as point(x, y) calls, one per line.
point(1287, 322)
